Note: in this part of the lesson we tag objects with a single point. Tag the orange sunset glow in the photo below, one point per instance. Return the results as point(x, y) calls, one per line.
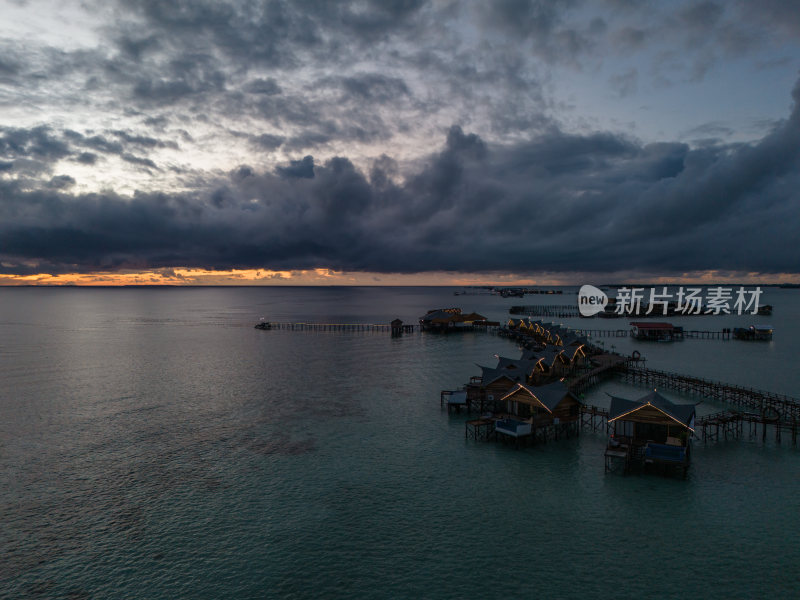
point(265, 277)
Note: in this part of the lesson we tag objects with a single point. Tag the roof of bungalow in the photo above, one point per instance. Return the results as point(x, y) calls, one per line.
point(551, 353)
point(473, 316)
point(531, 354)
point(490, 375)
point(439, 316)
point(622, 407)
point(548, 356)
point(572, 351)
point(573, 339)
point(523, 364)
point(450, 315)
point(548, 396)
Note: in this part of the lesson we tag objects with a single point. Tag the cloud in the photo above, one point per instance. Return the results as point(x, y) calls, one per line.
point(564, 202)
point(38, 142)
point(251, 132)
point(60, 182)
point(303, 169)
point(625, 83)
point(138, 160)
point(267, 141)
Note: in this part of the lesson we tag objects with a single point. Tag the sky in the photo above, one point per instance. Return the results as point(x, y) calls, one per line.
point(399, 142)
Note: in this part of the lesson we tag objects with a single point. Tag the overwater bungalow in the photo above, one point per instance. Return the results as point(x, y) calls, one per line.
point(556, 360)
point(495, 383)
point(650, 430)
point(538, 410)
point(513, 323)
point(575, 353)
point(754, 332)
point(526, 326)
point(550, 362)
point(658, 332)
point(546, 404)
point(451, 319)
point(522, 364)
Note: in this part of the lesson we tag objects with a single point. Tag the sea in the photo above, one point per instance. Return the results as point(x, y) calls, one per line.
point(154, 444)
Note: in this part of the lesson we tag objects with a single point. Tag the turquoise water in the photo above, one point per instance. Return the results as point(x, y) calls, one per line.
point(154, 445)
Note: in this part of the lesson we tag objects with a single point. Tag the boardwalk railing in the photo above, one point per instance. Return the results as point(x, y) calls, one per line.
point(334, 326)
point(724, 334)
point(357, 327)
point(730, 423)
point(563, 311)
point(781, 407)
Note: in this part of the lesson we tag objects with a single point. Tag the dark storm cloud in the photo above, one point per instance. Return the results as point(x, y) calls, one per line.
point(39, 142)
point(8, 67)
point(545, 25)
point(298, 79)
point(267, 141)
point(303, 169)
point(138, 160)
point(144, 141)
point(86, 158)
point(375, 87)
point(560, 201)
point(267, 87)
point(60, 182)
point(193, 58)
point(44, 146)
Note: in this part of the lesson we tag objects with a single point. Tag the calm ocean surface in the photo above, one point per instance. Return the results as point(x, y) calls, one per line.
point(154, 445)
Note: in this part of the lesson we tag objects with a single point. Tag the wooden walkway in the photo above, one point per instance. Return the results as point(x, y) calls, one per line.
point(562, 311)
point(697, 334)
point(607, 364)
point(725, 334)
point(730, 424)
point(761, 402)
point(603, 332)
point(591, 417)
point(352, 327)
point(361, 327)
point(594, 418)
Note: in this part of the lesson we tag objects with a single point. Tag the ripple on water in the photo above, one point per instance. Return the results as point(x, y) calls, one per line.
point(162, 455)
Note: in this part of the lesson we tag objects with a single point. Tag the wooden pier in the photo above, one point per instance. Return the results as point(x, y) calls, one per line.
point(747, 399)
point(594, 418)
point(480, 430)
point(730, 424)
point(607, 365)
point(356, 327)
point(603, 332)
point(723, 334)
point(562, 311)
point(352, 327)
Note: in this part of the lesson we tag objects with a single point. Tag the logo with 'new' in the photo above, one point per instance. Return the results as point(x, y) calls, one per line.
point(591, 300)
